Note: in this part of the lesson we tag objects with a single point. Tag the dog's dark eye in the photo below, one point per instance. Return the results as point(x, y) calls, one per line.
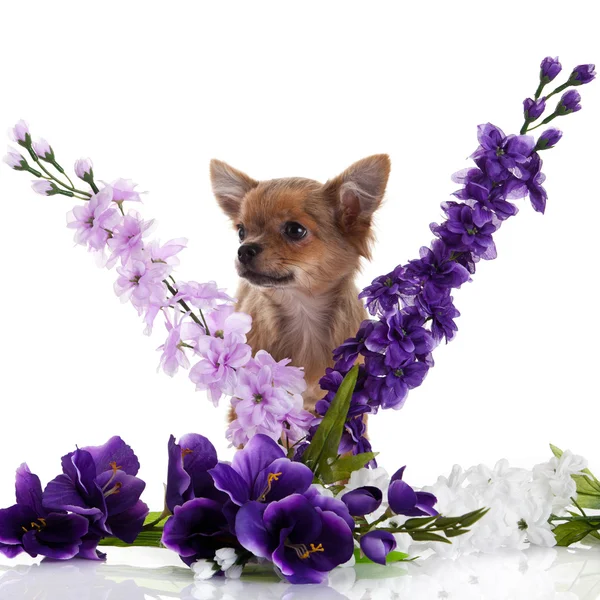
point(241, 232)
point(294, 230)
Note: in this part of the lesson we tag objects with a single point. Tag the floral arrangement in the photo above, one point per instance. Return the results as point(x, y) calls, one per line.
point(283, 498)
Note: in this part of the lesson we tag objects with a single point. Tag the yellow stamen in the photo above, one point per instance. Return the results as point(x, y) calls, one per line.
point(185, 452)
point(35, 526)
point(270, 479)
point(24, 529)
point(42, 521)
point(113, 466)
point(313, 549)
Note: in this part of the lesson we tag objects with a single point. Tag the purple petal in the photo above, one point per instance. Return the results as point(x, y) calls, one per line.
point(12, 520)
point(258, 454)
point(401, 497)
point(229, 481)
point(127, 490)
point(60, 538)
point(115, 450)
point(251, 531)
point(29, 490)
point(376, 545)
point(282, 478)
point(363, 500)
point(127, 524)
point(60, 494)
point(10, 551)
point(178, 480)
point(330, 504)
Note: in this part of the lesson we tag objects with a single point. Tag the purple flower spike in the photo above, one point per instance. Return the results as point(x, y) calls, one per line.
point(403, 500)
point(533, 109)
point(28, 526)
point(549, 69)
point(363, 500)
point(582, 74)
point(548, 139)
point(188, 476)
point(384, 293)
point(260, 471)
point(376, 545)
point(569, 103)
point(303, 542)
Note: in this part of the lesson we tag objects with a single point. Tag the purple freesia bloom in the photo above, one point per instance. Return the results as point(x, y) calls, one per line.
point(386, 291)
point(377, 544)
point(197, 529)
point(188, 474)
point(363, 500)
point(28, 526)
point(537, 193)
point(303, 541)
point(100, 483)
point(403, 499)
point(260, 471)
point(549, 69)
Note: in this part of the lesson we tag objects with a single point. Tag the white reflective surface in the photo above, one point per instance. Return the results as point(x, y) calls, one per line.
point(145, 573)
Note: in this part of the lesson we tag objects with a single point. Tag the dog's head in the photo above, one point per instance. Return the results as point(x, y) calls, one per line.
point(299, 232)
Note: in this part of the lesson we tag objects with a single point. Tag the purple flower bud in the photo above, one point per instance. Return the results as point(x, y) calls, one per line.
point(550, 68)
point(377, 544)
point(533, 109)
point(42, 148)
point(548, 139)
point(582, 74)
point(569, 103)
point(83, 168)
point(14, 160)
point(20, 133)
point(43, 187)
point(363, 500)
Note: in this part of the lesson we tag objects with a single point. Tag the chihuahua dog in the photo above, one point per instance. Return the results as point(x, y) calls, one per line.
point(301, 242)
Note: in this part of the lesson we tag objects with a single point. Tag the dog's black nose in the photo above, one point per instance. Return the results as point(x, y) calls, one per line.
point(246, 252)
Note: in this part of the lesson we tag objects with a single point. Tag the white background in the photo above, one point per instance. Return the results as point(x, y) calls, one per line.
point(151, 91)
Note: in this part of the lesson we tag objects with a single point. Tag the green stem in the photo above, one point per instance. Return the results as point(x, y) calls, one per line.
point(188, 309)
point(52, 177)
point(539, 90)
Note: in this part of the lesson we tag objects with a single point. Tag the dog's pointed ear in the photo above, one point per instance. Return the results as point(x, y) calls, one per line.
point(229, 186)
point(359, 190)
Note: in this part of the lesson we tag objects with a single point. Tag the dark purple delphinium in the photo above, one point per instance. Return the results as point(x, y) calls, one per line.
point(100, 484)
point(438, 267)
point(385, 292)
point(569, 103)
point(582, 74)
point(346, 354)
point(303, 541)
point(436, 305)
point(29, 527)
point(533, 109)
point(537, 194)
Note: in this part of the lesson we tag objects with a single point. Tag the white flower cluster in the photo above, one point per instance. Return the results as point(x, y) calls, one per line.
point(225, 561)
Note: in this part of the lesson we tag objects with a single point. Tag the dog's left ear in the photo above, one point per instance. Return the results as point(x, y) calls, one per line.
point(358, 193)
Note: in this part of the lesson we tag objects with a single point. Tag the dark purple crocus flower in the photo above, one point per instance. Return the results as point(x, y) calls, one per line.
point(537, 193)
point(533, 109)
point(260, 471)
point(437, 265)
point(197, 529)
point(327, 503)
point(377, 544)
point(548, 139)
point(403, 500)
point(503, 154)
point(582, 74)
point(99, 483)
point(549, 69)
point(303, 541)
point(386, 291)
point(436, 304)
point(363, 500)
point(569, 103)
point(28, 526)
point(188, 476)
point(468, 228)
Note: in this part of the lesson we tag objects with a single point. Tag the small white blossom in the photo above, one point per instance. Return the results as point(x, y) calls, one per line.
point(225, 558)
point(203, 569)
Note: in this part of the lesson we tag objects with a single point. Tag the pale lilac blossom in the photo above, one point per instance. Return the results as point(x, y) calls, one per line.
point(42, 148)
point(142, 283)
point(216, 372)
point(15, 160)
point(200, 295)
point(124, 190)
point(43, 187)
point(167, 253)
point(83, 168)
point(173, 350)
point(225, 322)
point(93, 220)
point(20, 132)
point(297, 421)
point(127, 237)
point(284, 376)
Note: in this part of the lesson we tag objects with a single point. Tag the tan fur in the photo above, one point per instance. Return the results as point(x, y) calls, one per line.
point(306, 318)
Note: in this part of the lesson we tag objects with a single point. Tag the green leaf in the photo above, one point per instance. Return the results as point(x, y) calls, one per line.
point(447, 521)
point(454, 532)
point(325, 444)
point(392, 557)
point(345, 465)
point(150, 538)
point(571, 532)
point(152, 516)
point(427, 536)
point(472, 517)
point(418, 522)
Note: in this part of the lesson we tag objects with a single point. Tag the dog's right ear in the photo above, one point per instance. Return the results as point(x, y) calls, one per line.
point(229, 187)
